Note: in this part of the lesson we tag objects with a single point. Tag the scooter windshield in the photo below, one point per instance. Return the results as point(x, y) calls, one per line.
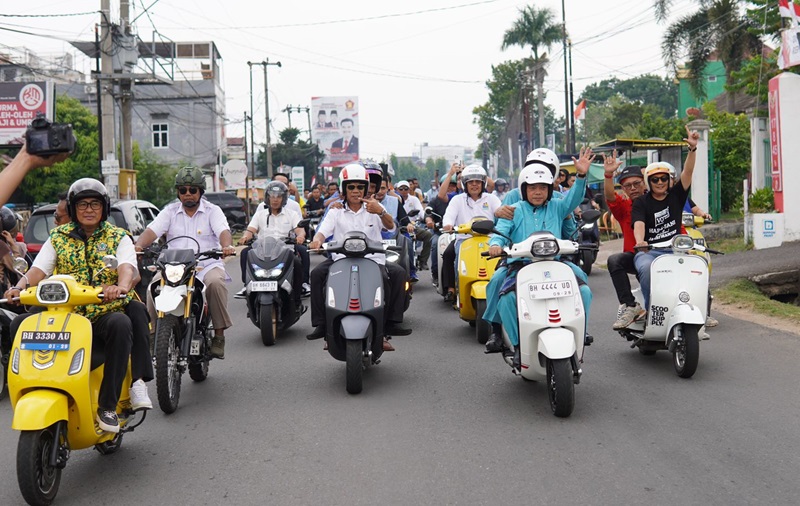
point(269, 248)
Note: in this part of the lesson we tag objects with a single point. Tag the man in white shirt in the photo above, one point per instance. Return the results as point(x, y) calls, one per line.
point(277, 221)
point(474, 202)
point(412, 203)
point(370, 217)
point(194, 217)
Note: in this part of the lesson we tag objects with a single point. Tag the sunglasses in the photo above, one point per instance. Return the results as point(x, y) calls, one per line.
point(191, 189)
point(355, 187)
point(632, 185)
point(659, 179)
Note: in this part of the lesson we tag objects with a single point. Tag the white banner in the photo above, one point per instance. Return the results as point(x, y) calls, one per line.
point(335, 129)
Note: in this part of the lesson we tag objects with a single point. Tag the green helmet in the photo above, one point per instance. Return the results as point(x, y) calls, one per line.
point(190, 176)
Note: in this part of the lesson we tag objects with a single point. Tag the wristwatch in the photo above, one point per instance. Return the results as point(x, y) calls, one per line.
point(382, 213)
point(692, 150)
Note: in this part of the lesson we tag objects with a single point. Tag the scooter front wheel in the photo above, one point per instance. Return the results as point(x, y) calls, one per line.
point(168, 375)
point(38, 480)
point(560, 387)
point(686, 355)
point(268, 323)
point(355, 366)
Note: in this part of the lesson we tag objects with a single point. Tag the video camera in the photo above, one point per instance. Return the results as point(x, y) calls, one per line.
point(44, 138)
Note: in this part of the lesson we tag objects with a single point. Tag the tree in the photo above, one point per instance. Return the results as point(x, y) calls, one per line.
point(646, 89)
point(155, 180)
point(718, 27)
point(293, 152)
point(535, 28)
point(731, 140)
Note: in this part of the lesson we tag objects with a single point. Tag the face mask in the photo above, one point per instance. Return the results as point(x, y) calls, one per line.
point(292, 197)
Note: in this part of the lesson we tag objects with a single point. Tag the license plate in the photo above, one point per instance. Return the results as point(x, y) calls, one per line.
point(37, 340)
point(550, 289)
point(389, 242)
point(263, 286)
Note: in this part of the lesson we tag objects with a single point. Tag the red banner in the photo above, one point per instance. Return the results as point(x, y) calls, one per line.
point(19, 105)
point(775, 141)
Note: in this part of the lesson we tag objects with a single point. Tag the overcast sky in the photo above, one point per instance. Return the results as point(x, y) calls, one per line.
point(418, 67)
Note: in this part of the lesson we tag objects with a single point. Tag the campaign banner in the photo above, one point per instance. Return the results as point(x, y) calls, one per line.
point(335, 129)
point(19, 105)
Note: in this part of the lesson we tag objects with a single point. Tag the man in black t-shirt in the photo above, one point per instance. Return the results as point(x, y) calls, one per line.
point(656, 216)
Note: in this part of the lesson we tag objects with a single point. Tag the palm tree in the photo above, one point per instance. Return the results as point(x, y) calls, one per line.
point(717, 27)
point(535, 28)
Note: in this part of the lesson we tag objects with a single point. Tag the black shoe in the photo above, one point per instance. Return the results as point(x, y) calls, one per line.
point(423, 267)
point(107, 420)
point(588, 340)
point(494, 344)
point(395, 329)
point(318, 333)
point(450, 296)
point(517, 363)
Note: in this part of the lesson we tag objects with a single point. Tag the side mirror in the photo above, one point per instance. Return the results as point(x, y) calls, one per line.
point(303, 223)
point(20, 265)
point(110, 261)
point(413, 212)
point(484, 227)
point(591, 216)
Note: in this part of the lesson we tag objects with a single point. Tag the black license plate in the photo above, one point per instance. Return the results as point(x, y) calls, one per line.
point(38, 340)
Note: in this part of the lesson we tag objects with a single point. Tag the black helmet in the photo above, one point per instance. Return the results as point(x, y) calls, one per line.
point(8, 219)
point(276, 189)
point(84, 188)
point(190, 176)
point(500, 182)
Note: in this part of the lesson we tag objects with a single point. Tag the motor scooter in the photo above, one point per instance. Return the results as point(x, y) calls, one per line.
point(268, 286)
point(8, 313)
point(678, 305)
point(550, 315)
point(472, 275)
point(354, 306)
point(54, 383)
point(587, 238)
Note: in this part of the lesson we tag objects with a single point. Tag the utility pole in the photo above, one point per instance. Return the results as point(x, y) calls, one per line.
point(126, 97)
point(571, 103)
point(567, 142)
point(288, 111)
point(106, 68)
point(308, 115)
point(266, 63)
point(250, 170)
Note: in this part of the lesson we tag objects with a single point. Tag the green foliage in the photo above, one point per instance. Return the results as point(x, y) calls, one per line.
point(730, 135)
point(292, 152)
point(504, 95)
point(45, 184)
point(621, 118)
point(760, 201)
point(659, 92)
point(155, 180)
point(405, 169)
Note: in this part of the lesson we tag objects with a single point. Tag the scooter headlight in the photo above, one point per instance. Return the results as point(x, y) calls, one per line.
point(682, 243)
point(355, 245)
point(545, 248)
point(688, 220)
point(52, 292)
point(15, 361)
point(174, 272)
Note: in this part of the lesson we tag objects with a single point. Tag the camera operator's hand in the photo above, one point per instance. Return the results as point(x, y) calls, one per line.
point(24, 162)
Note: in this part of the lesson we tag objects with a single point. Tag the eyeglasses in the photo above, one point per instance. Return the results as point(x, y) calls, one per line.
point(632, 185)
point(191, 189)
point(403, 189)
point(659, 179)
point(56, 217)
point(355, 187)
point(83, 205)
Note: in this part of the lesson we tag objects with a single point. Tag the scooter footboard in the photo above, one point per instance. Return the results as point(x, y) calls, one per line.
point(39, 409)
point(557, 342)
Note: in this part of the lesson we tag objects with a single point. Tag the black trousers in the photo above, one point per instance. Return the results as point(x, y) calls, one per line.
point(141, 360)
point(394, 280)
point(619, 266)
point(299, 249)
point(449, 266)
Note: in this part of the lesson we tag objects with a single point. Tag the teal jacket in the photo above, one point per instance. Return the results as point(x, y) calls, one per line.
point(568, 226)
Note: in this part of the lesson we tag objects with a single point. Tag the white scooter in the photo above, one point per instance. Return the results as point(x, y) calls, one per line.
point(678, 305)
point(551, 317)
point(444, 239)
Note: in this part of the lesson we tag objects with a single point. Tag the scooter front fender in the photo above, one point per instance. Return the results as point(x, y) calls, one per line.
point(478, 290)
point(265, 298)
point(686, 314)
point(170, 298)
point(355, 327)
point(39, 409)
point(556, 343)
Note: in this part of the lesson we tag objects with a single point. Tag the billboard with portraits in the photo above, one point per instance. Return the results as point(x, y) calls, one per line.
point(335, 129)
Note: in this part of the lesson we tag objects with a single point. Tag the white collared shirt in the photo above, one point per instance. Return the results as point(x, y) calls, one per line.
point(462, 209)
point(274, 225)
point(206, 225)
point(292, 205)
point(411, 204)
point(340, 221)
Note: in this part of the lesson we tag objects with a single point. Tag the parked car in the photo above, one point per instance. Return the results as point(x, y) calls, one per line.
point(132, 215)
point(231, 205)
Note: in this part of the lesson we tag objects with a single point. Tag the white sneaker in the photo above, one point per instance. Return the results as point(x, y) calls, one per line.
point(306, 289)
point(711, 321)
point(241, 294)
point(628, 315)
point(703, 335)
point(139, 398)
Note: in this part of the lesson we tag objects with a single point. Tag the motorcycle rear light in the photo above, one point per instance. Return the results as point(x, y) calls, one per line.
point(52, 292)
point(481, 273)
point(77, 362)
point(15, 361)
point(545, 248)
point(354, 305)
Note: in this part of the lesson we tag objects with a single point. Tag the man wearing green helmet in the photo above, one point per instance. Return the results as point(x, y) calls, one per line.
point(195, 217)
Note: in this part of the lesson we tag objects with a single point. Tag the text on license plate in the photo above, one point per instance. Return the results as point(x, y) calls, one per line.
point(550, 289)
point(263, 286)
point(38, 340)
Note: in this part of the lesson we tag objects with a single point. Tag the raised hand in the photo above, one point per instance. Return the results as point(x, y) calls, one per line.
point(584, 160)
point(373, 206)
point(611, 163)
point(692, 137)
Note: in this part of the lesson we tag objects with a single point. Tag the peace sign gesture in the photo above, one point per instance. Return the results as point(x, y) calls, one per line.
point(692, 138)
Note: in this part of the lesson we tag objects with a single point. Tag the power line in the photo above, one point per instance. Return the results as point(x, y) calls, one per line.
point(48, 15)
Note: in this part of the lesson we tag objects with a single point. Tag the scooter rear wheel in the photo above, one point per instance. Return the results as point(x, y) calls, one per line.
point(560, 387)
point(355, 366)
point(168, 375)
point(38, 480)
point(482, 328)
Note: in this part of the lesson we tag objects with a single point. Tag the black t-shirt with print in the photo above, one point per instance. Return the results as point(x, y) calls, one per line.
point(662, 218)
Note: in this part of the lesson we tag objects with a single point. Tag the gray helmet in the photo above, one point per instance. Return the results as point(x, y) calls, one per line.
point(85, 188)
point(500, 182)
point(8, 219)
point(190, 176)
point(276, 189)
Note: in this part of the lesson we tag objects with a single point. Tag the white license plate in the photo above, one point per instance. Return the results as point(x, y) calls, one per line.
point(389, 242)
point(550, 289)
point(263, 286)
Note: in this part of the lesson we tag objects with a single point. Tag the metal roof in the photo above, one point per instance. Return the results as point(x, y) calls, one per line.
point(637, 144)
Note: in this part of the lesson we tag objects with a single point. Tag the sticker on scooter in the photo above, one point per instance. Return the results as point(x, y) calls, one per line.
point(658, 315)
point(550, 289)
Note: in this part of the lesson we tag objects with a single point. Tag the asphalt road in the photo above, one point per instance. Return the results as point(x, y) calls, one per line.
point(439, 422)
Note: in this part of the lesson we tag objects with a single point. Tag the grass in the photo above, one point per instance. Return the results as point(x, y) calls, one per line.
point(745, 294)
point(730, 245)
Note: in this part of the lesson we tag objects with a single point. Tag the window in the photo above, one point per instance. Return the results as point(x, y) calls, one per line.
point(712, 79)
point(160, 135)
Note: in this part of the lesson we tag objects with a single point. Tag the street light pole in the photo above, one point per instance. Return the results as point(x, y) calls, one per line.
point(265, 64)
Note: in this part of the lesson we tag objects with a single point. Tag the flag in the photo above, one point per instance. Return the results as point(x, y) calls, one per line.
point(580, 112)
point(789, 9)
point(313, 181)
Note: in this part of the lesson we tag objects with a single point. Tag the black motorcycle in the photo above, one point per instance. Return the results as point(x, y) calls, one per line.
point(183, 327)
point(586, 236)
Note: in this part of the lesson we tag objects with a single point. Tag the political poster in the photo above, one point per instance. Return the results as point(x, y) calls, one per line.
point(19, 105)
point(335, 129)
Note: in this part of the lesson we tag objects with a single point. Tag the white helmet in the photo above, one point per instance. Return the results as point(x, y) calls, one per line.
point(656, 168)
point(402, 183)
point(473, 172)
point(536, 173)
point(352, 172)
point(544, 157)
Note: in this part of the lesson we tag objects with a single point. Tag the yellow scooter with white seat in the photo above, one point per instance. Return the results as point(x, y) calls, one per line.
point(54, 382)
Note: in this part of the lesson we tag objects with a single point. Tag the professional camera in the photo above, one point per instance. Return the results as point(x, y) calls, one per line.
point(44, 138)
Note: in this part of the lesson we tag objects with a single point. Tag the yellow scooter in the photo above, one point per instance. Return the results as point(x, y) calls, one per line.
point(473, 274)
point(54, 383)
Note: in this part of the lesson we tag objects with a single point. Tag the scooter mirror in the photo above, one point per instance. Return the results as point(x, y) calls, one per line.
point(484, 227)
point(591, 216)
point(110, 261)
point(20, 265)
point(303, 223)
point(413, 212)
